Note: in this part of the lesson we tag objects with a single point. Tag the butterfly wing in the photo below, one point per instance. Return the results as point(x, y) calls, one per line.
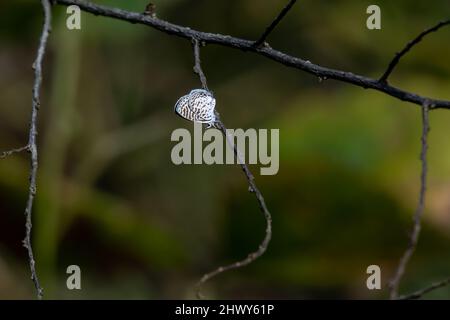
point(202, 104)
point(205, 116)
point(197, 106)
point(182, 108)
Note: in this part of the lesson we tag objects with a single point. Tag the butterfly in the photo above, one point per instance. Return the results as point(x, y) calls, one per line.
point(197, 106)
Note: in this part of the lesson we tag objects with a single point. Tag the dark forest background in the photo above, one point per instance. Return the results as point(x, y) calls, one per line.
point(111, 201)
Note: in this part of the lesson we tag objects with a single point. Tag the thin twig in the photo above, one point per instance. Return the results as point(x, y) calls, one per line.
point(394, 283)
point(5, 154)
point(409, 46)
point(37, 66)
point(262, 206)
point(248, 45)
point(274, 23)
point(197, 64)
point(252, 187)
point(418, 294)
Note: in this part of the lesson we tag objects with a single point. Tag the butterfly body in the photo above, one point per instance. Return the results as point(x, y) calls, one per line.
point(197, 106)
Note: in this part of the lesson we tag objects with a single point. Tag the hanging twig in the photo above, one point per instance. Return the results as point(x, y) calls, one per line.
point(252, 188)
point(394, 284)
point(274, 23)
point(262, 206)
point(197, 63)
point(32, 145)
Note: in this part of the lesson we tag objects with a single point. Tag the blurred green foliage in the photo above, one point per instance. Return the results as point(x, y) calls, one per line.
point(111, 201)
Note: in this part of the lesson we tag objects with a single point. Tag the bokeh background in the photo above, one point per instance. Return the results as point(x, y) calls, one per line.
point(111, 201)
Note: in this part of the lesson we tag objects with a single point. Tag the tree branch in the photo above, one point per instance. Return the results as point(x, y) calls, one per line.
point(274, 23)
point(394, 284)
point(247, 45)
point(252, 188)
point(5, 154)
point(32, 145)
point(409, 46)
point(418, 294)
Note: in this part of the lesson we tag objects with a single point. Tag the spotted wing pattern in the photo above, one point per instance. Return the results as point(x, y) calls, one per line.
point(197, 106)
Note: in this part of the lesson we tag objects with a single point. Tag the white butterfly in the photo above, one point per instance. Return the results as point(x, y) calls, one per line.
point(197, 106)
